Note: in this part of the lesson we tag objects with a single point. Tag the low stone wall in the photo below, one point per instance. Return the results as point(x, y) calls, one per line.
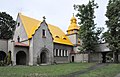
point(4, 45)
point(61, 59)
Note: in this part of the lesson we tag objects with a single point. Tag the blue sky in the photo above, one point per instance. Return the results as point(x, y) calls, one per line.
point(57, 12)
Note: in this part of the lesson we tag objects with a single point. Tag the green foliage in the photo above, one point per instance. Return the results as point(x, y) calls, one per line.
point(88, 33)
point(7, 26)
point(8, 58)
point(112, 36)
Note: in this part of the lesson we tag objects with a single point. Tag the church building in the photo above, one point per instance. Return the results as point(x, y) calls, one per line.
point(37, 42)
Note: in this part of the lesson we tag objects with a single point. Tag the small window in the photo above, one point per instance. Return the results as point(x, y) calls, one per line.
point(18, 39)
point(56, 52)
point(63, 53)
point(60, 52)
point(66, 53)
point(43, 33)
point(18, 24)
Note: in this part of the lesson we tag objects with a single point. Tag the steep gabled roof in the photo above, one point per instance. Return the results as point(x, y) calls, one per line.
point(31, 25)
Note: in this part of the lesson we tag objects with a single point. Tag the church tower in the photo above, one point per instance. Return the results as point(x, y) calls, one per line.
point(72, 31)
point(72, 34)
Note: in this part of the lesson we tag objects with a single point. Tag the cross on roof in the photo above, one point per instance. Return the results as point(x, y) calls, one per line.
point(44, 18)
point(73, 14)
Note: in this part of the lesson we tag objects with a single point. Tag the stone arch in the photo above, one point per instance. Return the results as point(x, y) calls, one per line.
point(21, 58)
point(44, 55)
point(2, 55)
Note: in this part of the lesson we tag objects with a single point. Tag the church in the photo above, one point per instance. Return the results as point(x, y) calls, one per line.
point(37, 42)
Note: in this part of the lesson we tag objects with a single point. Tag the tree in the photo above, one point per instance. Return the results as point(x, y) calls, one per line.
point(112, 36)
point(88, 33)
point(7, 26)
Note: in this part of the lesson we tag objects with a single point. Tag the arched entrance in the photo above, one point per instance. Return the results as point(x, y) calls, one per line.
point(43, 57)
point(107, 57)
point(72, 58)
point(2, 55)
point(21, 58)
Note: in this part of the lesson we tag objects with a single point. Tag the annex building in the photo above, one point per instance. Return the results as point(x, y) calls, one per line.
point(37, 42)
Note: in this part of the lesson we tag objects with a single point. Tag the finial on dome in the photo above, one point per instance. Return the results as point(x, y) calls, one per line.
point(73, 19)
point(73, 14)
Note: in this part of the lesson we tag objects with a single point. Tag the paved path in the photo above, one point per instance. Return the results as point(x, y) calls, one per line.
point(118, 75)
point(78, 73)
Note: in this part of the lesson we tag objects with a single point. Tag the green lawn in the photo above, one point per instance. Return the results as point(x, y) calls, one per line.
point(61, 69)
point(42, 71)
point(107, 71)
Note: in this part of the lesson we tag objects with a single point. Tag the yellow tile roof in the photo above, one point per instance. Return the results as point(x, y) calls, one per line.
point(31, 25)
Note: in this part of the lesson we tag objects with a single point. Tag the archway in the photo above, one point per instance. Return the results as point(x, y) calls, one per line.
point(107, 57)
point(43, 57)
point(72, 58)
point(2, 55)
point(21, 58)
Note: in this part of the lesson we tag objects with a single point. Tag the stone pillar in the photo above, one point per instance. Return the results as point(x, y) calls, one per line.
point(31, 52)
point(13, 55)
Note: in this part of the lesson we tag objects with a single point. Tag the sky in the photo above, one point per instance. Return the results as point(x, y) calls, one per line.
point(57, 12)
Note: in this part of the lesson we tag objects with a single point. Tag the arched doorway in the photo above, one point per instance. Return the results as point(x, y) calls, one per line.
point(2, 55)
point(72, 58)
point(21, 58)
point(43, 57)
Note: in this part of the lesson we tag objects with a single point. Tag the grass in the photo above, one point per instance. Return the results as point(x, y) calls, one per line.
point(42, 71)
point(107, 71)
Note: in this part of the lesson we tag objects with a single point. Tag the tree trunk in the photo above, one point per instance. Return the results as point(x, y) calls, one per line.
point(89, 57)
point(115, 57)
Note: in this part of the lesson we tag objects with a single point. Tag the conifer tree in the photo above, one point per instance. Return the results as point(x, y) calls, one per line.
point(112, 36)
point(88, 33)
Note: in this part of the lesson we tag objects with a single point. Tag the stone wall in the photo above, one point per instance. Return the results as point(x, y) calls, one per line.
point(63, 58)
point(4, 45)
point(95, 57)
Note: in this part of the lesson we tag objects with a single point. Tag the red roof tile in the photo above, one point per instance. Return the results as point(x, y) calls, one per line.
point(21, 44)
